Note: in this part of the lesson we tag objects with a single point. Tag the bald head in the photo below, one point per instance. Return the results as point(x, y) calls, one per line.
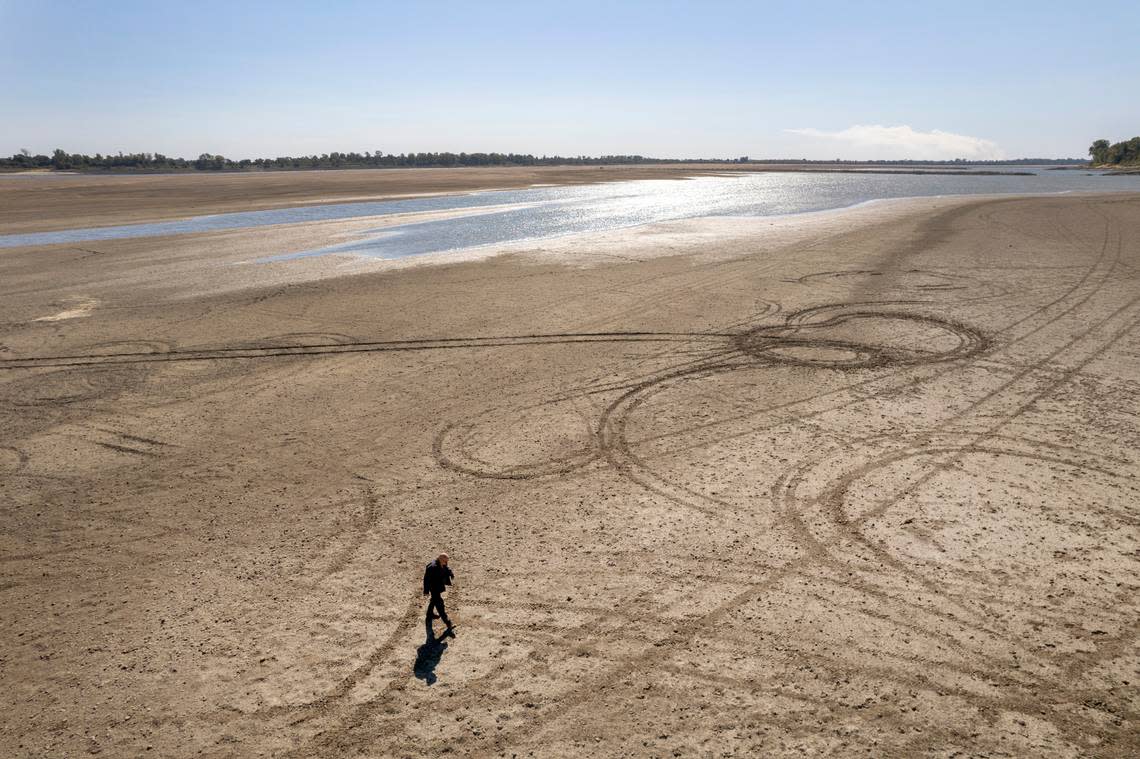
point(442, 559)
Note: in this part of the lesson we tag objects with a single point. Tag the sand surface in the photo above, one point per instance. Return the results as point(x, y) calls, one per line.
point(857, 483)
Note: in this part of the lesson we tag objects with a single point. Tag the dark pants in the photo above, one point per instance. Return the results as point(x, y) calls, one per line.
point(436, 604)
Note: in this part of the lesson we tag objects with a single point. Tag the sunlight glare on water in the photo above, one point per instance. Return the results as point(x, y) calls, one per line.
point(572, 210)
point(544, 212)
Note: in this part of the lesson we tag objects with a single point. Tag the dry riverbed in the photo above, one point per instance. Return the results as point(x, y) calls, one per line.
point(856, 482)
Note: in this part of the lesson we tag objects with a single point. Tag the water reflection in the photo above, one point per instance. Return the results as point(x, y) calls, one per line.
point(575, 210)
point(543, 212)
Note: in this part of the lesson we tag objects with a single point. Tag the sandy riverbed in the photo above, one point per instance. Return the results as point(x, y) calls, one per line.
point(856, 482)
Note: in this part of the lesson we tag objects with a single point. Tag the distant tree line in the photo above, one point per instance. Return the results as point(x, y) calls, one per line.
point(1118, 153)
point(61, 160)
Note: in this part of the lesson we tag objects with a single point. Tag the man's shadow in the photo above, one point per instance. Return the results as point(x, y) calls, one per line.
point(429, 654)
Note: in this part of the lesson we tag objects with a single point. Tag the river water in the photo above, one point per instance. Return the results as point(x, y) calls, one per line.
point(543, 212)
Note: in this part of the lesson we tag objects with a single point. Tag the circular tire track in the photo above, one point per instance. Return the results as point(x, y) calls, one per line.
point(64, 387)
point(838, 274)
point(795, 344)
point(980, 580)
point(452, 450)
point(128, 348)
point(911, 281)
point(302, 340)
point(824, 515)
point(838, 514)
point(267, 379)
point(805, 340)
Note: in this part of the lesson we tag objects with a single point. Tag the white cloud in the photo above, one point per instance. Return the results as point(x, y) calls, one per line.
point(875, 141)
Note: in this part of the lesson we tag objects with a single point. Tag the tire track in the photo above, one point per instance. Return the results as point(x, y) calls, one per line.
point(276, 351)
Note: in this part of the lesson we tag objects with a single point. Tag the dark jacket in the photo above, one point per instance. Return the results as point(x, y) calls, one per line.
point(437, 578)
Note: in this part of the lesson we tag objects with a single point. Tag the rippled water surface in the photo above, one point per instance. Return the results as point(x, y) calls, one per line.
point(542, 212)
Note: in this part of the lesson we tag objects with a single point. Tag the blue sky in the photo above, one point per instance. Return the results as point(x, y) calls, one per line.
point(807, 79)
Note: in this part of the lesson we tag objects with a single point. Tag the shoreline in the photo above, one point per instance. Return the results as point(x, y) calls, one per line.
point(99, 200)
point(96, 232)
point(80, 200)
point(229, 261)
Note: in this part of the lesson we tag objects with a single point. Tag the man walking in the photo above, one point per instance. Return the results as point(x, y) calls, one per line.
point(436, 579)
